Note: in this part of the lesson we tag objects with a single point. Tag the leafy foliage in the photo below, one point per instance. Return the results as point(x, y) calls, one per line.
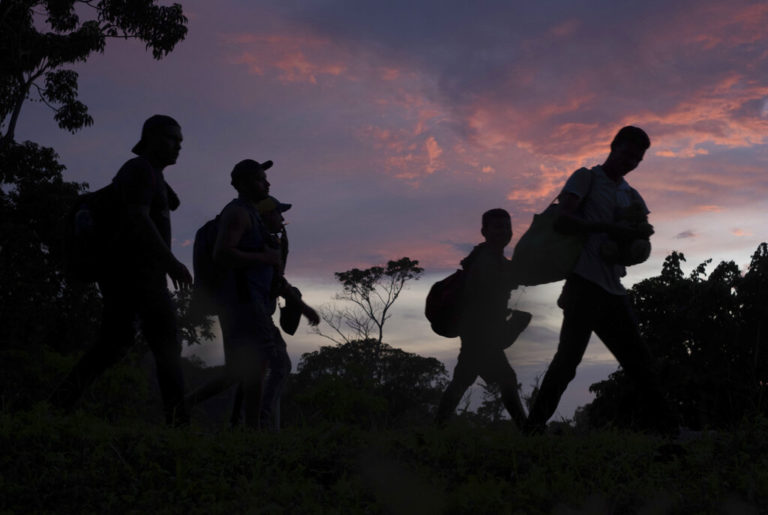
point(366, 383)
point(32, 53)
point(39, 307)
point(707, 335)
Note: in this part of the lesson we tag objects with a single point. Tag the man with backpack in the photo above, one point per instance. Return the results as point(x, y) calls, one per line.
point(132, 281)
point(593, 298)
point(483, 326)
point(252, 261)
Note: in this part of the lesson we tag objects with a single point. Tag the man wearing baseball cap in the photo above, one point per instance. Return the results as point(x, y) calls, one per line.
point(133, 285)
point(252, 343)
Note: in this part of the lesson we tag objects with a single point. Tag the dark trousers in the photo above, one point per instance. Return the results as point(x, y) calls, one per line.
point(477, 359)
point(126, 301)
point(253, 349)
point(264, 369)
point(588, 308)
point(277, 372)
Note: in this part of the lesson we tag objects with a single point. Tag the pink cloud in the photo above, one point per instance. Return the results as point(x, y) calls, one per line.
point(433, 154)
point(293, 58)
point(389, 74)
point(565, 29)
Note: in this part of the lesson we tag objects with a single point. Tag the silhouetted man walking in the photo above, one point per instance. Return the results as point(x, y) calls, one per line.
point(133, 286)
point(593, 298)
point(246, 297)
point(254, 348)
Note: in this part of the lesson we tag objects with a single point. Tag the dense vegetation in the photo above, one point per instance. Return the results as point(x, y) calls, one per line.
point(706, 333)
point(84, 464)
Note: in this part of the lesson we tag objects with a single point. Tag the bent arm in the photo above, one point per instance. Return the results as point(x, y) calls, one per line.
point(153, 241)
point(149, 235)
point(234, 224)
point(290, 293)
point(569, 221)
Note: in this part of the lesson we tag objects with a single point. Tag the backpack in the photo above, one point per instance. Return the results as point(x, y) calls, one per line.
point(91, 229)
point(208, 276)
point(444, 303)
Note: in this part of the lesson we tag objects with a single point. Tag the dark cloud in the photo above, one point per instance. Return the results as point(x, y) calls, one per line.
point(462, 248)
point(685, 235)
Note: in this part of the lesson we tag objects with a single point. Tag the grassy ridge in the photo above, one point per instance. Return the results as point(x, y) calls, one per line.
point(83, 464)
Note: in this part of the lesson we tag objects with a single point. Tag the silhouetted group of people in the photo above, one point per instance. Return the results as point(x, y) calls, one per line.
point(250, 251)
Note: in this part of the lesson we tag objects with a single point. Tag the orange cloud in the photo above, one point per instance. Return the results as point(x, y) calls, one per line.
point(732, 26)
point(433, 154)
point(389, 74)
point(548, 182)
point(299, 58)
point(710, 117)
point(565, 29)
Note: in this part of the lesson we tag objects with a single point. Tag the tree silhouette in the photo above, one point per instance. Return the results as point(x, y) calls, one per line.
point(34, 60)
point(706, 333)
point(371, 293)
point(366, 384)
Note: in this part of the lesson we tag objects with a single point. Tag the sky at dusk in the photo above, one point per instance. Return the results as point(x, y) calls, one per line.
point(394, 125)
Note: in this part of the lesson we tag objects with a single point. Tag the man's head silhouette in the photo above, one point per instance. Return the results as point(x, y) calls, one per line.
point(250, 180)
point(160, 140)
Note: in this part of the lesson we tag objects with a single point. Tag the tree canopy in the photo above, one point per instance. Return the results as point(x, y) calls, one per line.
point(40, 38)
point(366, 384)
point(707, 335)
point(368, 296)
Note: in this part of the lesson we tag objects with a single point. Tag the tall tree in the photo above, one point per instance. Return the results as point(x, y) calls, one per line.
point(40, 38)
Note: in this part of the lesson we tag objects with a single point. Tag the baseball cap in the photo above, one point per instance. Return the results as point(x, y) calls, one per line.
point(271, 204)
point(247, 167)
point(152, 124)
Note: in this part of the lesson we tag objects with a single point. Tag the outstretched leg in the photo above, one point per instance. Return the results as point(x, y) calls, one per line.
point(279, 368)
point(578, 316)
point(619, 332)
point(158, 316)
point(464, 375)
point(116, 336)
point(496, 369)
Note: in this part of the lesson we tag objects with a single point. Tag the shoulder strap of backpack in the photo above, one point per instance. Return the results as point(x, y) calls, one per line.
point(589, 190)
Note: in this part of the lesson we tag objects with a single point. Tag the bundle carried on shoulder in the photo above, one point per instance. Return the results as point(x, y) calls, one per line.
point(543, 254)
